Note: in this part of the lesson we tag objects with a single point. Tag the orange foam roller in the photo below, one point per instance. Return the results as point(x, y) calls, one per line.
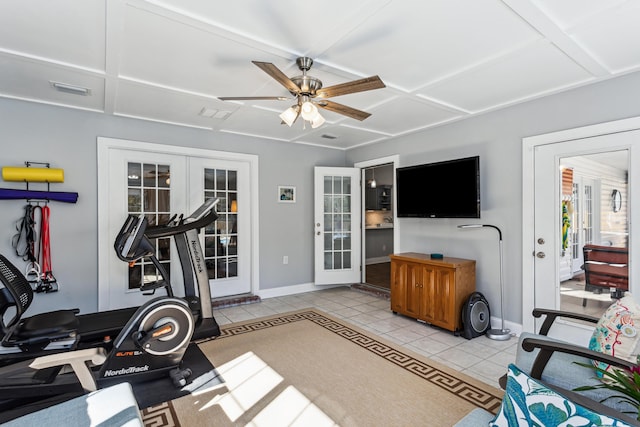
point(10, 173)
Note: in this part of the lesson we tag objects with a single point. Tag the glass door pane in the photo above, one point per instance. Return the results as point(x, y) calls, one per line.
point(221, 237)
point(149, 194)
point(337, 222)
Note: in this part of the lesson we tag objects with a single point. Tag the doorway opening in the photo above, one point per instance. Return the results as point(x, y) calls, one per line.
point(379, 224)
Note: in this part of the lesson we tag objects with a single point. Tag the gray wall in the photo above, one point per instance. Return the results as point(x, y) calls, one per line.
point(497, 138)
point(67, 139)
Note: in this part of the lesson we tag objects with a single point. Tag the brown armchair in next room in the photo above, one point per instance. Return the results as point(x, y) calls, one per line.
point(606, 267)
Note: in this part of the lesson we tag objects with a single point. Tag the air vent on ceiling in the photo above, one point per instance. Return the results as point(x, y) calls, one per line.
point(213, 113)
point(67, 88)
point(329, 136)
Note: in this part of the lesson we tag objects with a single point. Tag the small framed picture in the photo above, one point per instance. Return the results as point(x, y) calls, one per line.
point(286, 194)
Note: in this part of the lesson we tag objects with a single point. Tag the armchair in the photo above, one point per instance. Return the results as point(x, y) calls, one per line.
point(554, 361)
point(606, 267)
point(539, 386)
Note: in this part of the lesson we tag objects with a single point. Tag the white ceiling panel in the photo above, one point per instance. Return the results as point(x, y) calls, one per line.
point(166, 60)
point(167, 52)
point(613, 37)
point(567, 13)
point(535, 70)
point(339, 136)
point(67, 31)
point(148, 102)
point(28, 79)
point(299, 27)
point(402, 115)
point(411, 43)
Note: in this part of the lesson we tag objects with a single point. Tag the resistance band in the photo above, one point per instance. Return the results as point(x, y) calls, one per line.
point(36, 248)
point(48, 282)
point(24, 241)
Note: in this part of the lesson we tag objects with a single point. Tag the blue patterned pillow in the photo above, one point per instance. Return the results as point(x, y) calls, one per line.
point(529, 403)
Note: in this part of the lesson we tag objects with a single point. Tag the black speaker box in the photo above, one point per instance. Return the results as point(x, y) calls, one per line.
point(476, 316)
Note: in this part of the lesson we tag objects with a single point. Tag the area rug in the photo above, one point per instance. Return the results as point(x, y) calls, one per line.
point(308, 368)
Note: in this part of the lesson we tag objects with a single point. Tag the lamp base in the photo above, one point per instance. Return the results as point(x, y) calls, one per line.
point(499, 334)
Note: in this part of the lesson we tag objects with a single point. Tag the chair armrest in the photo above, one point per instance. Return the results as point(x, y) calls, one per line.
point(547, 348)
point(552, 315)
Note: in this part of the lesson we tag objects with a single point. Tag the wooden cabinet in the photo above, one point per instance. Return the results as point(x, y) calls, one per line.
point(432, 290)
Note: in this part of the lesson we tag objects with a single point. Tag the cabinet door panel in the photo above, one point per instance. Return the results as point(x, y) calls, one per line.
point(413, 302)
point(398, 286)
point(443, 298)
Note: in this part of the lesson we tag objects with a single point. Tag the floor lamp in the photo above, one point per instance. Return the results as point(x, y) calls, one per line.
point(501, 334)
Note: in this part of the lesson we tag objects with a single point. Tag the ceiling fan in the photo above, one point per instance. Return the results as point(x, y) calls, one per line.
point(310, 94)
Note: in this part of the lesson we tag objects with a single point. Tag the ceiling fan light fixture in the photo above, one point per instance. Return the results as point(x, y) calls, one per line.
point(308, 111)
point(289, 115)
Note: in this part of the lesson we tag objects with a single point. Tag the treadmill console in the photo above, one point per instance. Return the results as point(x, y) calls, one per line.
point(131, 243)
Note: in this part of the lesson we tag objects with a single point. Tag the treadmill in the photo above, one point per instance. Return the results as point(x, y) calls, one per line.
point(131, 244)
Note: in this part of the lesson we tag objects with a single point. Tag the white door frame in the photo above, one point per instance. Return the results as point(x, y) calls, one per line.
point(394, 159)
point(104, 240)
point(528, 217)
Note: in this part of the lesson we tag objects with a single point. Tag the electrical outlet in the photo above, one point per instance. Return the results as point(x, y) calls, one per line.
point(285, 259)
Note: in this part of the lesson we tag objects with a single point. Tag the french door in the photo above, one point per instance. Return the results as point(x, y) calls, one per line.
point(337, 225)
point(141, 179)
point(542, 241)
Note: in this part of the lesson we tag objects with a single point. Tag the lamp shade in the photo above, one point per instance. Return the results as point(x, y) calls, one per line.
point(308, 111)
point(317, 121)
point(289, 115)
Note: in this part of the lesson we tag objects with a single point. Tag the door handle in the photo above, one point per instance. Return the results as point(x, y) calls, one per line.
point(541, 255)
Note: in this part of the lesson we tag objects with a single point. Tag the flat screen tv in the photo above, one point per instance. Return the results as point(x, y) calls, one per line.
point(449, 189)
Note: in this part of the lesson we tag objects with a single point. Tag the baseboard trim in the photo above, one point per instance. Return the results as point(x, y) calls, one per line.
point(292, 290)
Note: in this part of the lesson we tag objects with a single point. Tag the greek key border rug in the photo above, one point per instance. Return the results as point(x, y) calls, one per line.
point(309, 347)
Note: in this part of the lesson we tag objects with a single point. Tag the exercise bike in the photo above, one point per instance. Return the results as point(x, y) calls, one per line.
point(150, 345)
point(65, 330)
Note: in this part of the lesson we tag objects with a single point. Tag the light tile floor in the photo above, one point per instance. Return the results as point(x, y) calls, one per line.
point(480, 357)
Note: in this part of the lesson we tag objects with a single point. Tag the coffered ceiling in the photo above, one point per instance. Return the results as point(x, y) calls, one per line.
point(441, 60)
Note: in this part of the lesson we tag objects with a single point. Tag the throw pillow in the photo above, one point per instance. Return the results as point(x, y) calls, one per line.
point(527, 402)
point(617, 333)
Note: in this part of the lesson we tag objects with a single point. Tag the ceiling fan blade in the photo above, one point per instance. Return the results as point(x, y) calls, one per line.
point(368, 83)
point(278, 75)
point(343, 109)
point(247, 98)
